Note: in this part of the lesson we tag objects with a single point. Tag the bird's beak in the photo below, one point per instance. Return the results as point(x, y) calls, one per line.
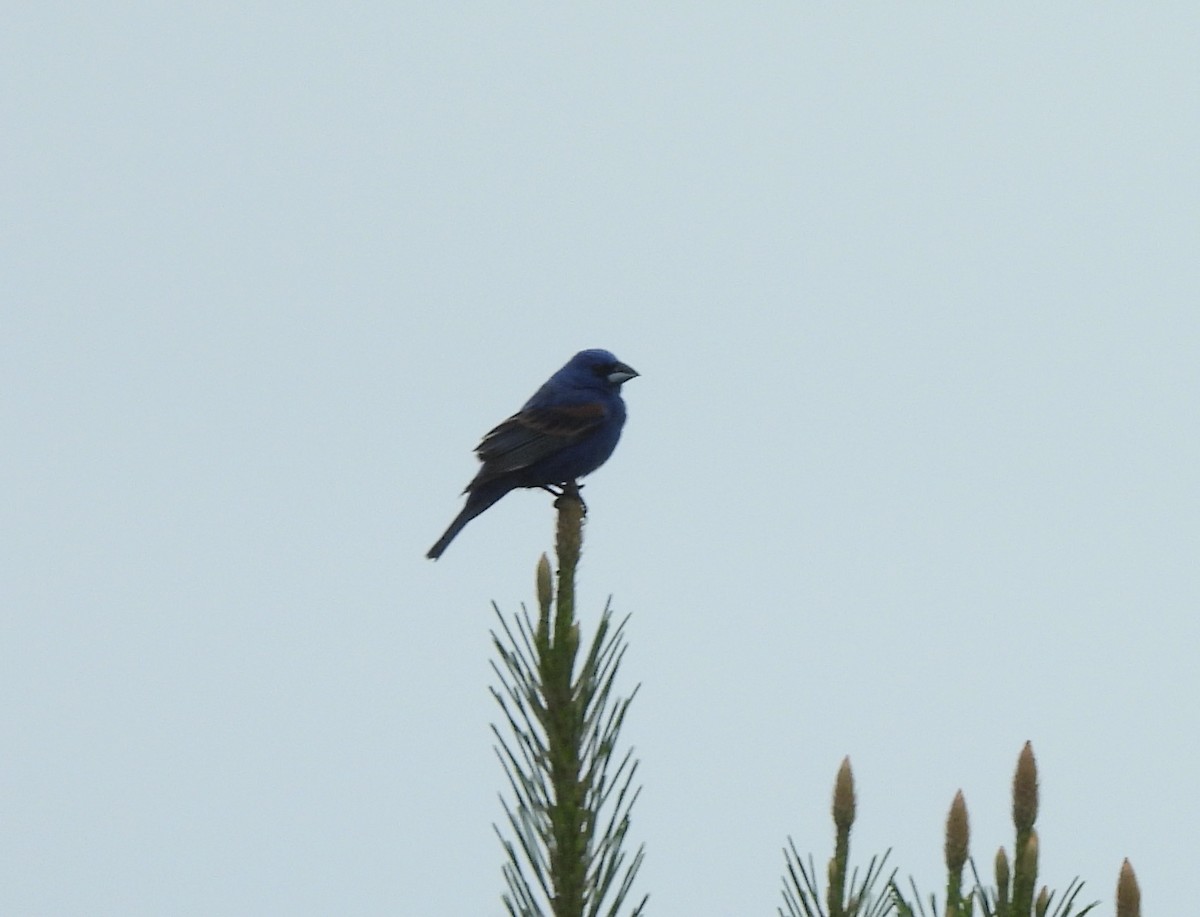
point(621, 373)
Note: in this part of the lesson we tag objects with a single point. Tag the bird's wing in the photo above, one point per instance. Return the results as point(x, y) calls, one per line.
point(535, 433)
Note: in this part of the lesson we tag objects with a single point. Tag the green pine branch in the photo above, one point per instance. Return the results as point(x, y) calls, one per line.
point(846, 894)
point(571, 792)
point(1013, 894)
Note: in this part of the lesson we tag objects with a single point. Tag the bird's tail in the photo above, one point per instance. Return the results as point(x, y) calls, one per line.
point(477, 502)
point(456, 526)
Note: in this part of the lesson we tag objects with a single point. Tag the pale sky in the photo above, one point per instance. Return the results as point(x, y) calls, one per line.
point(910, 473)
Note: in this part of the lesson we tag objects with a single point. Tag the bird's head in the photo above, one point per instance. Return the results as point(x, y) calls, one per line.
point(602, 364)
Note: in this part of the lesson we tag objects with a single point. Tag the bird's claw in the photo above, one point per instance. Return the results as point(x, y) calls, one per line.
point(568, 490)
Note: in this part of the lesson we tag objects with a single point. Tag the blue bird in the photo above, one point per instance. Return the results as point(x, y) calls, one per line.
point(567, 429)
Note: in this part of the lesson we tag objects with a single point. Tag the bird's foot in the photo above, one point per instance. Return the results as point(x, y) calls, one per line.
point(569, 490)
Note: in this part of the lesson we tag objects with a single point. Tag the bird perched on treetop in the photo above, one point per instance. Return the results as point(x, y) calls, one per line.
point(567, 429)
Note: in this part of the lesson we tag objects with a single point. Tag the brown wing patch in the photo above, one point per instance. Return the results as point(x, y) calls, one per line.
point(591, 409)
point(533, 434)
point(565, 421)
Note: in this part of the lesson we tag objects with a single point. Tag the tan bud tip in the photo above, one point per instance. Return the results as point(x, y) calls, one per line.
point(1002, 870)
point(573, 638)
point(569, 530)
point(545, 583)
point(843, 796)
point(1129, 896)
point(958, 834)
point(1043, 902)
point(1029, 856)
point(1025, 790)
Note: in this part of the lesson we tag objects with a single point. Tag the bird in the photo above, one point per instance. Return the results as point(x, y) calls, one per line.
point(567, 430)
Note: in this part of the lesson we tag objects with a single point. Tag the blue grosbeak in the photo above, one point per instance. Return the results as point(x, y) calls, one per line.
point(567, 429)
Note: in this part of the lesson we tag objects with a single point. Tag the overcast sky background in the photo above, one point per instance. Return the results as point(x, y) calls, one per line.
point(910, 473)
